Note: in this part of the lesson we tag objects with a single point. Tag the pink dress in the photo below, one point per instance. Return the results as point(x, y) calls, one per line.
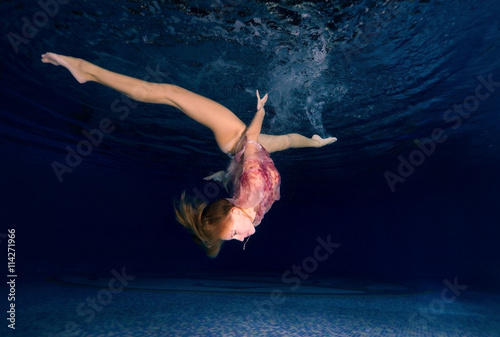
point(255, 180)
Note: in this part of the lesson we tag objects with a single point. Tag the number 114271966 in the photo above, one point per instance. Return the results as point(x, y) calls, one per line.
point(11, 252)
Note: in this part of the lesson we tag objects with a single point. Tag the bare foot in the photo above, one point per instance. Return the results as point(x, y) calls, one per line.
point(323, 141)
point(74, 65)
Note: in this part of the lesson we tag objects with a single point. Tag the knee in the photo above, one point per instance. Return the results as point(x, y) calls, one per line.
point(171, 93)
point(174, 90)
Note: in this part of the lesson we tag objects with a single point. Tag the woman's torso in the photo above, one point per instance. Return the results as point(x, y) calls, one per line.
point(256, 181)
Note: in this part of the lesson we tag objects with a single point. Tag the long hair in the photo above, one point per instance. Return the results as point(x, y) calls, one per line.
point(206, 222)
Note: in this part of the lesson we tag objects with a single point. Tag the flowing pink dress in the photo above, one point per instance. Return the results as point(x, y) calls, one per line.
point(255, 180)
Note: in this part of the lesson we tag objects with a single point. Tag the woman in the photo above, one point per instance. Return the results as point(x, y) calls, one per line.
point(254, 178)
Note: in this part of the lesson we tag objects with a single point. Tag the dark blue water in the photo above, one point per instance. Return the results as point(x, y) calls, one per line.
point(411, 90)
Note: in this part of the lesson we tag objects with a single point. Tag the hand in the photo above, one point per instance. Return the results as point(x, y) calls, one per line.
point(261, 101)
point(217, 176)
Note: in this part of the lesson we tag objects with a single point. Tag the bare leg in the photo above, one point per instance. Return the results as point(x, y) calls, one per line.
point(292, 140)
point(225, 125)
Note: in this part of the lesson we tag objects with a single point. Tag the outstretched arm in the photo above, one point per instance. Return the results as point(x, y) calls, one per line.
point(255, 126)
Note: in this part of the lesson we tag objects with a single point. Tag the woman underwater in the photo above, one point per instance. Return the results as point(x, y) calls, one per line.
point(255, 180)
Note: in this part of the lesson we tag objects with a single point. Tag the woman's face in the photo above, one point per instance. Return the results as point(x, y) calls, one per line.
point(240, 226)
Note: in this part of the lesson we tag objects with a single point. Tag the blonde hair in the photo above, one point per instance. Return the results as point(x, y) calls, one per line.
point(206, 222)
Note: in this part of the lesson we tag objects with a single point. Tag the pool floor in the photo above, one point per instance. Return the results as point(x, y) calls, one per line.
point(120, 304)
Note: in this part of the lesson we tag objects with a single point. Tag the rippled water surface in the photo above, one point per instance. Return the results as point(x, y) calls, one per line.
point(377, 75)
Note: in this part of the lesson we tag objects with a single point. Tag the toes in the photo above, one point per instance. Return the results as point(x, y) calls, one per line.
point(324, 141)
point(48, 58)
